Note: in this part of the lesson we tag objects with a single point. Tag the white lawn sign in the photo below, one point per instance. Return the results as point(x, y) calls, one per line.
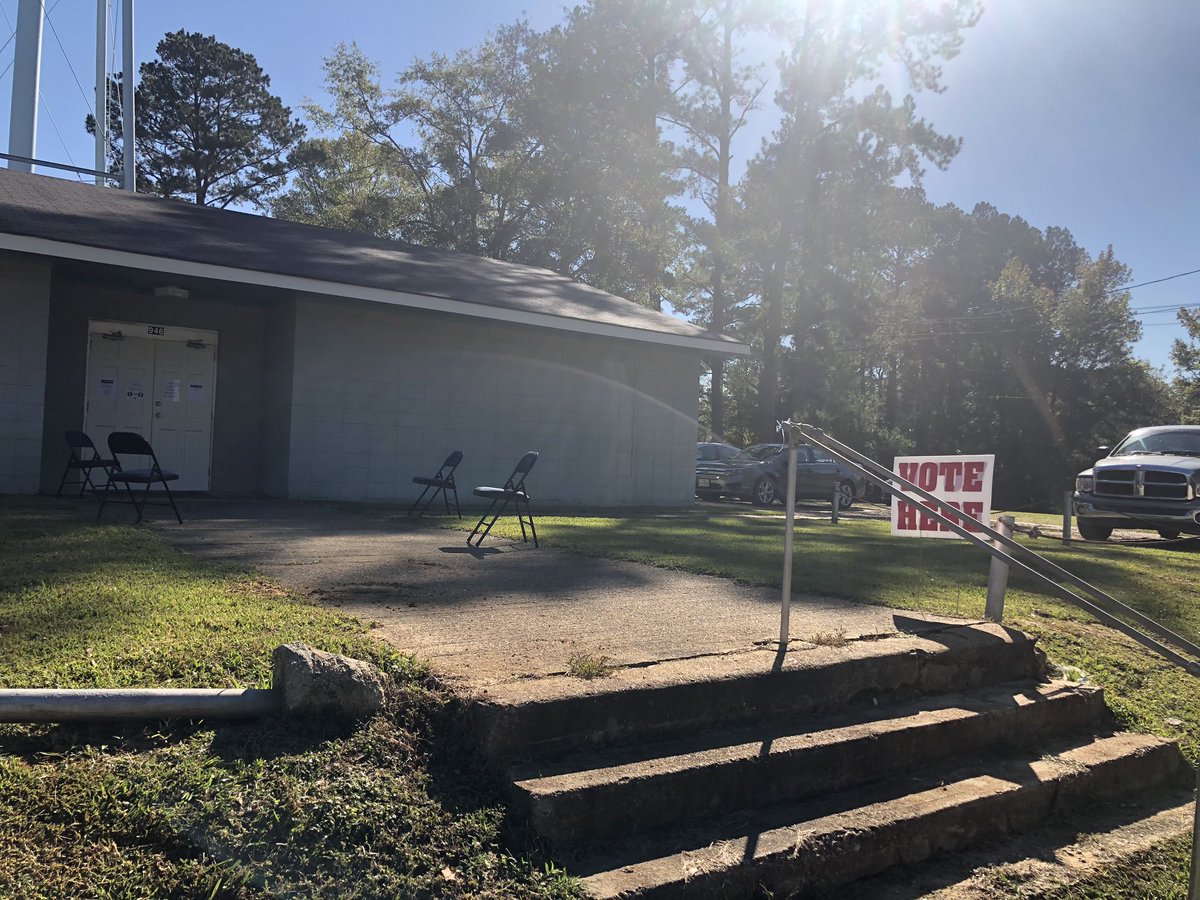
point(965, 482)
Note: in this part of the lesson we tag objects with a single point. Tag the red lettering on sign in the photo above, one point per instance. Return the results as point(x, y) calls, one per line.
point(952, 475)
point(927, 476)
point(908, 471)
point(974, 476)
point(974, 509)
point(928, 522)
point(906, 517)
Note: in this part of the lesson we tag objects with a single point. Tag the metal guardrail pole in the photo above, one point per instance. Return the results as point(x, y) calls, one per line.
point(785, 609)
point(998, 579)
point(1194, 879)
point(1013, 553)
point(888, 480)
point(833, 517)
point(1068, 497)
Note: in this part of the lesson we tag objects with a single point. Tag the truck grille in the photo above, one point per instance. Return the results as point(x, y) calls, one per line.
point(1149, 483)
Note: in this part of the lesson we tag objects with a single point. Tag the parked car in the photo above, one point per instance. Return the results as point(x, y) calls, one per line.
point(711, 451)
point(1150, 480)
point(759, 474)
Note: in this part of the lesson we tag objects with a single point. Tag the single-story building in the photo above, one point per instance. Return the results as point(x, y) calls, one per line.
point(263, 357)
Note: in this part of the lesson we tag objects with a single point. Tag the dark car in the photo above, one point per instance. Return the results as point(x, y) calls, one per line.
point(711, 451)
point(1151, 480)
point(759, 474)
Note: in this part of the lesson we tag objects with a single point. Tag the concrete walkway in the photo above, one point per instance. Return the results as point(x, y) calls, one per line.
point(508, 611)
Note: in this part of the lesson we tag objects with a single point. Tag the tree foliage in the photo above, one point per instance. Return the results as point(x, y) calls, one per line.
point(1185, 354)
point(209, 129)
point(612, 148)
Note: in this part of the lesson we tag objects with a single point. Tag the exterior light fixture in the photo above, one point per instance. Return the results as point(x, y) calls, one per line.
point(113, 336)
point(171, 290)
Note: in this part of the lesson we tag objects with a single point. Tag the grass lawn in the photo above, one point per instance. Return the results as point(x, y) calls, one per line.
point(396, 808)
point(390, 809)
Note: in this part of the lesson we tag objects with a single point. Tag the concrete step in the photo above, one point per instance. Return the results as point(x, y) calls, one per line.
point(838, 839)
point(1069, 847)
point(598, 795)
point(541, 718)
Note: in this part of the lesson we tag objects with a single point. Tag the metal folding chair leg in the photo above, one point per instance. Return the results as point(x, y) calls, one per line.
point(495, 514)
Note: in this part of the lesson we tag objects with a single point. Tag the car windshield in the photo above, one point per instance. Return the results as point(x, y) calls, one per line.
point(1182, 442)
point(757, 453)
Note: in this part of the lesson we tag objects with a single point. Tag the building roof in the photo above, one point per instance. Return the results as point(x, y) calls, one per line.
point(56, 217)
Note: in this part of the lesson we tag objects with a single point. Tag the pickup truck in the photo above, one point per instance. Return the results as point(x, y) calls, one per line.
point(1149, 480)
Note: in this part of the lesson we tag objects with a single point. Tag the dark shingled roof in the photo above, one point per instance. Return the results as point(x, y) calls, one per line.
point(55, 209)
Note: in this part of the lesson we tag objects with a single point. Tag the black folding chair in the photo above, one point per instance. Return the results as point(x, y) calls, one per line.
point(512, 492)
point(441, 483)
point(128, 443)
point(80, 446)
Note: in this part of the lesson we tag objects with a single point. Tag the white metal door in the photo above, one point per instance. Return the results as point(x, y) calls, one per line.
point(160, 386)
point(181, 430)
point(119, 382)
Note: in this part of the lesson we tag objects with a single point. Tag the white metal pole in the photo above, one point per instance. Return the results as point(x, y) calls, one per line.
point(998, 576)
point(128, 131)
point(785, 610)
point(101, 87)
point(1067, 510)
point(27, 66)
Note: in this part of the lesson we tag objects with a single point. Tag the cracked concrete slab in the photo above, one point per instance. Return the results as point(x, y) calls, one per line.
point(508, 611)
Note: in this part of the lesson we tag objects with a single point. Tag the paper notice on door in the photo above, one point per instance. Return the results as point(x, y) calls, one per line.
point(172, 390)
point(195, 393)
point(107, 386)
point(135, 388)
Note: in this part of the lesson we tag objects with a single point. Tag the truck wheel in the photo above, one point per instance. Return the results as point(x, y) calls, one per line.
point(1168, 534)
point(1094, 531)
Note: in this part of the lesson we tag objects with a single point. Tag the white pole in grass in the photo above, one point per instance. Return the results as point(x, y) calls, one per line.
point(792, 436)
point(1067, 499)
point(1194, 881)
point(998, 576)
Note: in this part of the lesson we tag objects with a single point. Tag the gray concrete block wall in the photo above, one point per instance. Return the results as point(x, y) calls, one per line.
point(24, 328)
point(382, 394)
point(278, 377)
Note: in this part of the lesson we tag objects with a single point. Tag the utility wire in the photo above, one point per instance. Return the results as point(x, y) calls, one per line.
point(88, 103)
point(66, 149)
point(14, 34)
point(1155, 281)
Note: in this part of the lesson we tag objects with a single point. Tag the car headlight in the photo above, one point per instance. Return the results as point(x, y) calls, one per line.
point(1083, 484)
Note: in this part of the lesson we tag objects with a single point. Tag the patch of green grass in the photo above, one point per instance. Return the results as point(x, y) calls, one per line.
point(397, 807)
point(1151, 875)
point(588, 666)
point(835, 638)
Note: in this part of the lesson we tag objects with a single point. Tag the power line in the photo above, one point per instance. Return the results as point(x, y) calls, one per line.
point(66, 149)
point(57, 40)
point(14, 34)
point(1155, 281)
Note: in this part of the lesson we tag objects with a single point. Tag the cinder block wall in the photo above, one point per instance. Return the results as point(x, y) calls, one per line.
point(382, 394)
point(24, 328)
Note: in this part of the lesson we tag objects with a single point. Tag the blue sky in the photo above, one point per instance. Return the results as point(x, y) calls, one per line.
point(1080, 113)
